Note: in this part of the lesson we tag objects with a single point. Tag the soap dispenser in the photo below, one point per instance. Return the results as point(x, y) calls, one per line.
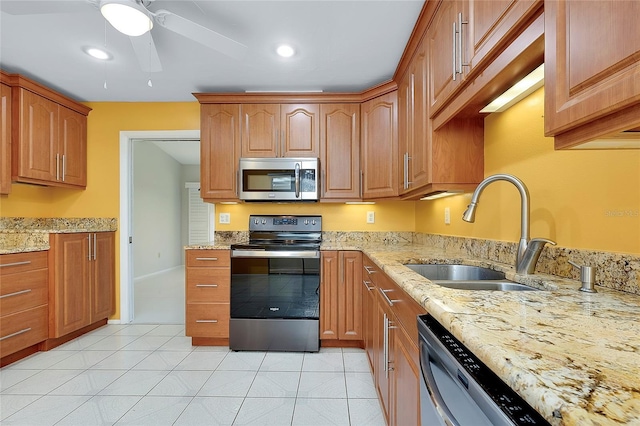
point(587, 277)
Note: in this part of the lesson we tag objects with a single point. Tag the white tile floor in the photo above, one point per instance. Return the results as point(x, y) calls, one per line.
point(151, 375)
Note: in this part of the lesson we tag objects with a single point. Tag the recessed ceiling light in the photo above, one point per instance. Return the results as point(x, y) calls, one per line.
point(285, 51)
point(97, 53)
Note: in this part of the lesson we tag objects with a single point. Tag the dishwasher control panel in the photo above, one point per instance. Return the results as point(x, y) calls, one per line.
point(509, 402)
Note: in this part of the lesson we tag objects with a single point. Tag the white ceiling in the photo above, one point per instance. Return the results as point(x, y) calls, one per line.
point(186, 152)
point(342, 46)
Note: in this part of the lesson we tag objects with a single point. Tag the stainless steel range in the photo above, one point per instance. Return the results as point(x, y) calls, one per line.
point(275, 285)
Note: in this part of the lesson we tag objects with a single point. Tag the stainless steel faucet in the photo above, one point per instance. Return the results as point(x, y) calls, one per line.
point(528, 250)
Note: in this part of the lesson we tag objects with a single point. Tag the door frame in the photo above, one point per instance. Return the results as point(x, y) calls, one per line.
point(126, 209)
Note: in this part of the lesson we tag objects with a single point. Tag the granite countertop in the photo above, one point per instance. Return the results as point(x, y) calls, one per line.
point(20, 235)
point(573, 356)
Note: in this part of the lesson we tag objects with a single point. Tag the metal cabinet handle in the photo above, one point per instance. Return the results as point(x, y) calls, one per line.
point(206, 285)
point(385, 344)
point(206, 258)
point(389, 301)
point(6, 265)
point(369, 269)
point(15, 334)
point(17, 293)
point(461, 42)
point(207, 321)
point(406, 170)
point(366, 284)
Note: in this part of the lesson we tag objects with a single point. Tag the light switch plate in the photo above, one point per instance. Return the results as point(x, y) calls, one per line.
point(225, 217)
point(447, 216)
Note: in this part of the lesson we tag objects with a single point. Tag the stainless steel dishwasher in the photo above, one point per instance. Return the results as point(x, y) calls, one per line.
point(458, 389)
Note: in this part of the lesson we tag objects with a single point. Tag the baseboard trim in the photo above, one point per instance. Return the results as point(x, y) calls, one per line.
point(164, 271)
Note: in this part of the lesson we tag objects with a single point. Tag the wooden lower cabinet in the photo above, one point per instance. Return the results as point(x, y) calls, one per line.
point(391, 343)
point(208, 294)
point(82, 280)
point(340, 287)
point(24, 298)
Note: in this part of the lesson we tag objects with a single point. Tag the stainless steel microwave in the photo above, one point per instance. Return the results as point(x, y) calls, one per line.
point(279, 179)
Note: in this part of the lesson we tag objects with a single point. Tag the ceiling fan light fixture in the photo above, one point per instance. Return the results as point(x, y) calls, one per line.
point(127, 17)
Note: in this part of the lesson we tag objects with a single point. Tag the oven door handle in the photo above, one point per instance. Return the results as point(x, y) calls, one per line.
point(434, 393)
point(273, 254)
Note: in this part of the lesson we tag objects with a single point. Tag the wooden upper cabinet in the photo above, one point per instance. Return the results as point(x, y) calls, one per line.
point(49, 137)
point(444, 55)
point(300, 130)
point(260, 130)
point(340, 151)
point(274, 130)
point(219, 151)
point(379, 148)
point(5, 138)
point(592, 52)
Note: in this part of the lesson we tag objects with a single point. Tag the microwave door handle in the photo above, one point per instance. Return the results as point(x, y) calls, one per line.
point(297, 177)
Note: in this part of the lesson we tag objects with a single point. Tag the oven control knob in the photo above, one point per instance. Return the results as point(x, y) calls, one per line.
point(306, 221)
point(264, 221)
point(313, 222)
point(256, 221)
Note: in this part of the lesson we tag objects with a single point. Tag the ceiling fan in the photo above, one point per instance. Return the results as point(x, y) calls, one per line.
point(135, 19)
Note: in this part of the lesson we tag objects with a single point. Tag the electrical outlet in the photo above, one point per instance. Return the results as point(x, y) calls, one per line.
point(447, 216)
point(371, 217)
point(225, 217)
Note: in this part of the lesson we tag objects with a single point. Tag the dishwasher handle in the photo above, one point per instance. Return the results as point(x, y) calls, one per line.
point(432, 386)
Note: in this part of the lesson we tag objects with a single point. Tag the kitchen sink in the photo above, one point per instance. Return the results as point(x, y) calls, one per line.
point(467, 277)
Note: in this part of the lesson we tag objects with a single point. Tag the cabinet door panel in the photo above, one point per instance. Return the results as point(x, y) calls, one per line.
point(260, 130)
point(420, 140)
point(35, 151)
point(581, 86)
point(350, 295)
point(219, 151)
point(72, 147)
point(5, 139)
point(103, 275)
point(299, 130)
point(380, 147)
point(329, 295)
point(69, 302)
point(406, 380)
point(340, 150)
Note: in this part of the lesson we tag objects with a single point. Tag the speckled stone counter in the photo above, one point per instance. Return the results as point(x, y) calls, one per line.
point(19, 234)
point(574, 356)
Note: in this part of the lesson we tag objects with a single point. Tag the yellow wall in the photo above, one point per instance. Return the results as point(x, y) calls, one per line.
point(580, 199)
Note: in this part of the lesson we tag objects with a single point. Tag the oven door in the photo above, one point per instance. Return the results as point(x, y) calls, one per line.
point(275, 301)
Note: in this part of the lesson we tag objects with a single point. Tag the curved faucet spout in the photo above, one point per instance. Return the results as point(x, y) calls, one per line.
point(469, 214)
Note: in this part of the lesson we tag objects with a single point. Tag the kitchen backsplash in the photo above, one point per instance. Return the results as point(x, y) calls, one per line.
point(56, 224)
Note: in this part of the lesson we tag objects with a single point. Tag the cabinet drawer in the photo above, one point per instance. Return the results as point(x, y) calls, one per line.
point(23, 329)
point(208, 258)
point(20, 262)
point(23, 291)
point(208, 285)
point(208, 320)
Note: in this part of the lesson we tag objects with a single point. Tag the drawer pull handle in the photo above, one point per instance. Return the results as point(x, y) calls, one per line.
point(15, 334)
point(17, 293)
point(207, 321)
point(366, 284)
point(26, 262)
point(369, 269)
point(389, 301)
point(206, 285)
point(206, 258)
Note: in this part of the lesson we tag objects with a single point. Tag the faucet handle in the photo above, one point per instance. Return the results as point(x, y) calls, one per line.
point(587, 277)
point(527, 264)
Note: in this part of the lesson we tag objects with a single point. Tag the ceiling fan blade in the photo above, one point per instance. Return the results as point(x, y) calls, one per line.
point(146, 52)
point(200, 34)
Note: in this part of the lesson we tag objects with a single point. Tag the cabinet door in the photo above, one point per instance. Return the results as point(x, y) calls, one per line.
point(380, 146)
point(260, 130)
point(35, 153)
point(369, 309)
point(350, 295)
point(72, 139)
point(103, 271)
point(591, 62)
point(443, 52)
point(219, 151)
point(340, 151)
point(405, 119)
point(299, 131)
point(69, 303)
point(5, 139)
point(329, 295)
point(406, 380)
point(419, 170)
point(383, 341)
